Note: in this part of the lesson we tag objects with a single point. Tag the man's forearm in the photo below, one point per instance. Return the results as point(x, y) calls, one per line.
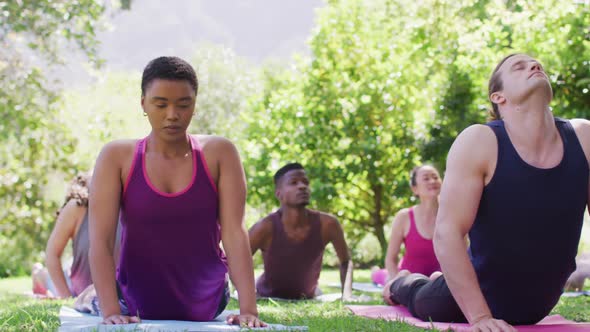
point(343, 271)
point(346, 268)
point(460, 276)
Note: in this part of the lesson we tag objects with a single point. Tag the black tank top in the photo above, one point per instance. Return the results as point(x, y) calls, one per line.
point(525, 235)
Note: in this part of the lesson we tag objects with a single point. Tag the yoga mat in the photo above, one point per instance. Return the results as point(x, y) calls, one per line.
point(330, 297)
point(553, 323)
point(72, 320)
point(366, 287)
point(575, 294)
point(337, 297)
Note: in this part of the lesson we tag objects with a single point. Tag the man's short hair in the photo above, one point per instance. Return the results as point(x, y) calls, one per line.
point(283, 170)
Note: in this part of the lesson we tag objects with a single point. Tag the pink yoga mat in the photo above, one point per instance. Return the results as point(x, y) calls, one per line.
point(554, 323)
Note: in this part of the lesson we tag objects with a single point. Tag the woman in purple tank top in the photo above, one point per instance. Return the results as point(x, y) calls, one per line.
point(414, 228)
point(179, 196)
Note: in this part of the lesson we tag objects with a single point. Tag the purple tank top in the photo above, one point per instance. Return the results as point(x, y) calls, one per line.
point(292, 270)
point(171, 265)
point(419, 256)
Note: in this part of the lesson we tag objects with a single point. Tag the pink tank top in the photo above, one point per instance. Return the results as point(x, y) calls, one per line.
point(419, 256)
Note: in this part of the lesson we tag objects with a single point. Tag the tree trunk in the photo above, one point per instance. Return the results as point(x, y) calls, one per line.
point(378, 220)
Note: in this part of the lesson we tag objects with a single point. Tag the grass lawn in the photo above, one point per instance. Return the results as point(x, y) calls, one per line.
point(21, 313)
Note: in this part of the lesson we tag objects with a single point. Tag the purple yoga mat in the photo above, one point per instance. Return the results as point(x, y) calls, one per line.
point(554, 323)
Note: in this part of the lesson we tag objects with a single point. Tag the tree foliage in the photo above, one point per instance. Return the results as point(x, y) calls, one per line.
point(33, 141)
point(557, 33)
point(390, 84)
point(226, 81)
point(102, 111)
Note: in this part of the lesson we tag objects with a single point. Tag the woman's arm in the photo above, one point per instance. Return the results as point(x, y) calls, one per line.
point(234, 235)
point(398, 233)
point(64, 230)
point(105, 193)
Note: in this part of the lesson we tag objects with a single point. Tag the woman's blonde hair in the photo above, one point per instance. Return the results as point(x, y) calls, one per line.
point(78, 190)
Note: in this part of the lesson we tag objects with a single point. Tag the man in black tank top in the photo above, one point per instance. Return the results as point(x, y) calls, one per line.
point(519, 187)
point(293, 238)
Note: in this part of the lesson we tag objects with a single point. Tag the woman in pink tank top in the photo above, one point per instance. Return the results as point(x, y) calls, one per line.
point(414, 227)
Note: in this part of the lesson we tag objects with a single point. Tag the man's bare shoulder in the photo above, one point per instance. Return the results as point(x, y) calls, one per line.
point(328, 220)
point(324, 216)
point(582, 129)
point(580, 123)
point(263, 226)
point(476, 135)
point(475, 145)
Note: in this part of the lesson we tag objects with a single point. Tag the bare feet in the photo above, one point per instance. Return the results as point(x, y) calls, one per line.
point(435, 275)
point(39, 277)
point(387, 286)
point(576, 281)
point(83, 302)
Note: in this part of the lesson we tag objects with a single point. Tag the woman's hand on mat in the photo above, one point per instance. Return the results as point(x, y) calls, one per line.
point(245, 320)
point(121, 319)
point(489, 324)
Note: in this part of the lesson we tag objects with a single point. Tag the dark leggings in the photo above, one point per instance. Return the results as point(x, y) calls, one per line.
point(224, 299)
point(94, 308)
point(427, 299)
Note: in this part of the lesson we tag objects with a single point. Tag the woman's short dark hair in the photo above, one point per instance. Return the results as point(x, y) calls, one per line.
point(168, 68)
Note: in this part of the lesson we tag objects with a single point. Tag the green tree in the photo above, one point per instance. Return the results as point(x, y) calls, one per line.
point(456, 111)
point(103, 111)
point(391, 83)
point(226, 82)
point(555, 32)
point(267, 131)
point(558, 33)
point(33, 142)
point(347, 117)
